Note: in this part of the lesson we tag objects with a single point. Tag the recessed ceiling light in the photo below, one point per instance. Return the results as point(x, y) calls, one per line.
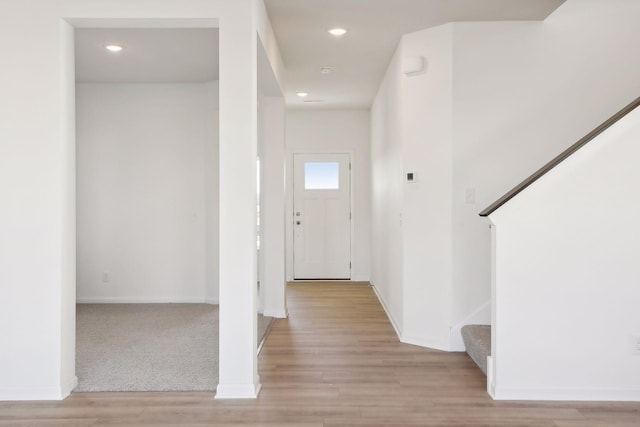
point(302, 94)
point(337, 31)
point(114, 48)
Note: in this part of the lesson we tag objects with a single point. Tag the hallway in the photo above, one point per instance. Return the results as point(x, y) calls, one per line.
point(336, 361)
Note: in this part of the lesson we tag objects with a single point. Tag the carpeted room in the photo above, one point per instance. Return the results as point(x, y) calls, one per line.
point(147, 215)
point(149, 347)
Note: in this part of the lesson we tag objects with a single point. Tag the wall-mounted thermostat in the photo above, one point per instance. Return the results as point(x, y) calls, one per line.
point(411, 177)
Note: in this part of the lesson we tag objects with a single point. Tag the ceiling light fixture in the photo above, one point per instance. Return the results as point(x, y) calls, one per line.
point(114, 48)
point(302, 94)
point(326, 70)
point(337, 32)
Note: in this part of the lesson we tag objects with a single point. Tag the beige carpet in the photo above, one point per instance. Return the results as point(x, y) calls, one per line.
point(149, 347)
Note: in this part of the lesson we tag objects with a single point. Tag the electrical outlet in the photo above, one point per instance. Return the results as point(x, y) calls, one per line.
point(105, 276)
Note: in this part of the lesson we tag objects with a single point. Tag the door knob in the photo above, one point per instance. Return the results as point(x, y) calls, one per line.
point(297, 222)
point(297, 213)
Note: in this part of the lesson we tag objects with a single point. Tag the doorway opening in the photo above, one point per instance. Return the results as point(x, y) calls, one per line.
point(147, 208)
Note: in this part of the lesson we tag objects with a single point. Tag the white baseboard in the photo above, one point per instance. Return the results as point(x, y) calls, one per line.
point(39, 393)
point(31, 393)
point(386, 310)
point(278, 314)
point(491, 386)
point(68, 386)
point(237, 391)
point(567, 394)
point(424, 342)
point(211, 301)
point(480, 316)
point(142, 300)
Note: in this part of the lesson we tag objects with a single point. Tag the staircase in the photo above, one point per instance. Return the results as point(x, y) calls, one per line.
point(477, 341)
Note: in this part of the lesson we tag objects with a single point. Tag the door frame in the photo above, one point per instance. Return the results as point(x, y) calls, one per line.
point(289, 153)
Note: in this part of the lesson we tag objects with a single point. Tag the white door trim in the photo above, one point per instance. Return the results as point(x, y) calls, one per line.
point(289, 153)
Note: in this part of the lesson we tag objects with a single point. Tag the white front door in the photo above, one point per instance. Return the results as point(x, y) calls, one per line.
point(321, 216)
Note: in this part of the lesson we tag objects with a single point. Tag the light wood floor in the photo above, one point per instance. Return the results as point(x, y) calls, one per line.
point(335, 362)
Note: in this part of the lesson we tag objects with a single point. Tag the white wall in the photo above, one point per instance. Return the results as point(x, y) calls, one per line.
point(568, 246)
point(523, 92)
point(520, 92)
point(496, 92)
point(37, 185)
point(142, 208)
point(68, 377)
point(212, 191)
point(411, 129)
point(272, 208)
point(387, 170)
point(426, 208)
point(334, 131)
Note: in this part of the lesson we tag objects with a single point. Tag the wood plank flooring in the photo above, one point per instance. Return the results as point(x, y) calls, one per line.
point(336, 361)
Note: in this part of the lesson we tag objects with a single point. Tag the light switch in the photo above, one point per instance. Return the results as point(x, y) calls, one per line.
point(635, 345)
point(470, 195)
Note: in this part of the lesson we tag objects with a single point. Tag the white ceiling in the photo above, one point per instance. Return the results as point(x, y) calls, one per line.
point(150, 55)
point(359, 59)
